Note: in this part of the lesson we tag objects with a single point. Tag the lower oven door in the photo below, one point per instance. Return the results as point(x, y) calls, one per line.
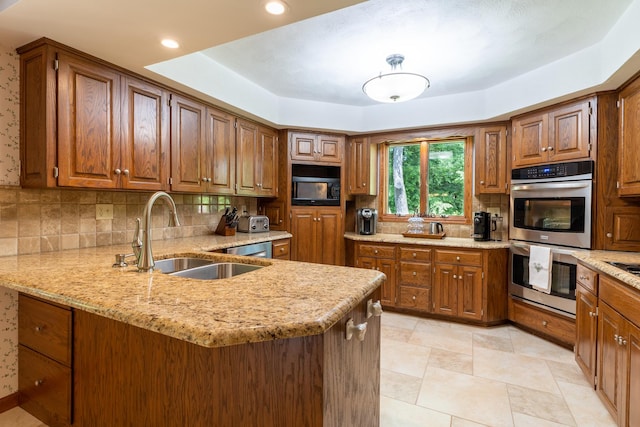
point(562, 298)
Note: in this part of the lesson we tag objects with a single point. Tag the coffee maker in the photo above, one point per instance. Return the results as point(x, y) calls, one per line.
point(366, 220)
point(481, 226)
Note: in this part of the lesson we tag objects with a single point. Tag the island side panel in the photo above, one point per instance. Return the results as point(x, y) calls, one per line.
point(125, 375)
point(352, 371)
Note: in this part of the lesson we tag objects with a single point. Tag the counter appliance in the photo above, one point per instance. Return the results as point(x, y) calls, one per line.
point(366, 221)
point(253, 224)
point(481, 226)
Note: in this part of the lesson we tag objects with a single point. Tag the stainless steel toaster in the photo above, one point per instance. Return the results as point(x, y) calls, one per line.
point(253, 224)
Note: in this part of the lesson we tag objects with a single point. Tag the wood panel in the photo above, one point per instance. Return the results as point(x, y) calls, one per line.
point(267, 162)
point(414, 298)
point(610, 359)
point(629, 149)
point(530, 135)
point(388, 267)
point(88, 123)
point(632, 415)
point(445, 290)
point(188, 136)
point(303, 230)
point(281, 249)
point(586, 332)
point(417, 274)
point(329, 236)
point(221, 152)
point(543, 322)
point(412, 253)
point(246, 152)
point(330, 148)
point(569, 132)
point(491, 160)
point(145, 136)
point(303, 146)
point(470, 292)
point(587, 278)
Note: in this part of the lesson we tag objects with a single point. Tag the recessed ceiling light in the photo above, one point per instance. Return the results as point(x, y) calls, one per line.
point(275, 7)
point(171, 44)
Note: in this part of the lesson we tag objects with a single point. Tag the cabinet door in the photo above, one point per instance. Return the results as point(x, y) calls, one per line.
point(586, 331)
point(88, 123)
point(221, 152)
point(470, 292)
point(569, 132)
point(530, 140)
point(145, 136)
point(622, 232)
point(445, 289)
point(329, 234)
point(366, 262)
point(303, 228)
point(329, 148)
point(632, 377)
point(491, 161)
point(629, 141)
point(414, 298)
point(388, 267)
point(362, 168)
point(267, 163)
point(246, 152)
point(303, 146)
point(188, 151)
point(275, 211)
point(610, 358)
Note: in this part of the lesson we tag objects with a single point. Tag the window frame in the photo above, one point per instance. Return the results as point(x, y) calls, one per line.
point(383, 156)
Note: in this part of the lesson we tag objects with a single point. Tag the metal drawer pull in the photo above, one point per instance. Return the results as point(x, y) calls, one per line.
point(374, 308)
point(545, 323)
point(414, 273)
point(358, 330)
point(583, 277)
point(38, 383)
point(38, 328)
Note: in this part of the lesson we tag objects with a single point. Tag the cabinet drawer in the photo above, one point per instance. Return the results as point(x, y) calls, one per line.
point(623, 298)
point(414, 298)
point(414, 273)
point(550, 324)
point(281, 249)
point(459, 257)
point(377, 251)
point(415, 254)
point(45, 328)
point(44, 387)
point(587, 278)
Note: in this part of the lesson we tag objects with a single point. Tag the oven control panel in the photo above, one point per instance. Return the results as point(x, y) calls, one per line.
point(555, 170)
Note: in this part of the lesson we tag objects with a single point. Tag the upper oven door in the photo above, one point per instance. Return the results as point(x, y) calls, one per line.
point(557, 213)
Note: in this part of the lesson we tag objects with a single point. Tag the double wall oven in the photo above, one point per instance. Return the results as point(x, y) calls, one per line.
point(551, 206)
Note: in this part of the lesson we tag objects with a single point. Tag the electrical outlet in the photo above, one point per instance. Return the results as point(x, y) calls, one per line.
point(104, 211)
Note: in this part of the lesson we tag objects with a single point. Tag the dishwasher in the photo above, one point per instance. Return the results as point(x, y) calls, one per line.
point(261, 250)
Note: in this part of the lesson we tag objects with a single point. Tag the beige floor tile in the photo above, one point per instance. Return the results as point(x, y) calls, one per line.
point(451, 361)
point(405, 358)
point(523, 420)
point(585, 406)
point(399, 386)
point(530, 345)
point(394, 413)
point(493, 342)
point(567, 372)
point(514, 369)
point(399, 320)
point(540, 404)
point(465, 396)
point(395, 334)
point(16, 417)
point(459, 422)
point(442, 337)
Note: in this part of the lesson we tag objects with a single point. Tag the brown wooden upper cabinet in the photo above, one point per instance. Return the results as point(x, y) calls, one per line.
point(316, 148)
point(629, 145)
point(257, 160)
point(557, 135)
point(84, 124)
point(491, 160)
point(362, 172)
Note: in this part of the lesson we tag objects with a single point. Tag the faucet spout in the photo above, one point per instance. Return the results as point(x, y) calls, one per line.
point(145, 260)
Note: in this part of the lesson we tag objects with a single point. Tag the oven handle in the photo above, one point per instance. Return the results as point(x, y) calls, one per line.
point(524, 247)
point(553, 186)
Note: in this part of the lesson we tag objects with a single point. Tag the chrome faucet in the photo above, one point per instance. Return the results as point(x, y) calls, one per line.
point(142, 245)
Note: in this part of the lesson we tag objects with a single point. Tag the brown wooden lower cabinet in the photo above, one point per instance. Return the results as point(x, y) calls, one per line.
point(586, 332)
point(317, 235)
point(125, 375)
point(460, 283)
point(281, 249)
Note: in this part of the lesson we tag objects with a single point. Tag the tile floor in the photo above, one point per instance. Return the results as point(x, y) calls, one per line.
point(436, 373)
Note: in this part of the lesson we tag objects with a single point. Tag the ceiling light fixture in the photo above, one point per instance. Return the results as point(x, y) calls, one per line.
point(396, 86)
point(171, 44)
point(275, 7)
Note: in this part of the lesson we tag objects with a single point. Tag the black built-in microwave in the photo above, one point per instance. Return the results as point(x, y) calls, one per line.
point(315, 191)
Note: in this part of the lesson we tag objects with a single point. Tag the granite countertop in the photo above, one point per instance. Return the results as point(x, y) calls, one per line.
point(285, 299)
point(598, 261)
point(458, 242)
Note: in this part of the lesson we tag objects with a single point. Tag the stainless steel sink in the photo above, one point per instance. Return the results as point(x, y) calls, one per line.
point(172, 265)
point(221, 270)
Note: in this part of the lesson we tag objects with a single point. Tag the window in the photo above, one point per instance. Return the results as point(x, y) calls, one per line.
point(428, 177)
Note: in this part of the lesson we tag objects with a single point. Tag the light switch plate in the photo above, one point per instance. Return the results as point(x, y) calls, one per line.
point(104, 211)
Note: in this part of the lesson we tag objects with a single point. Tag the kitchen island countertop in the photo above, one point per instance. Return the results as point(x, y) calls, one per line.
point(284, 299)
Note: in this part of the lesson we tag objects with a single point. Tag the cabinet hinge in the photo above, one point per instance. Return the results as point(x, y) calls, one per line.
point(170, 181)
point(235, 124)
point(235, 187)
point(290, 216)
point(506, 132)
point(55, 171)
point(482, 312)
point(56, 63)
point(617, 184)
point(618, 104)
point(597, 311)
point(169, 99)
point(590, 111)
point(483, 274)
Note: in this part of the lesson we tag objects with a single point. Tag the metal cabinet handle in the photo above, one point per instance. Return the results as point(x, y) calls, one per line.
point(414, 254)
point(38, 328)
point(609, 235)
point(375, 251)
point(358, 330)
point(117, 171)
point(414, 273)
point(38, 382)
point(550, 148)
point(457, 258)
point(544, 149)
point(482, 182)
point(413, 298)
point(126, 172)
point(455, 277)
point(364, 184)
point(374, 308)
point(545, 323)
point(583, 277)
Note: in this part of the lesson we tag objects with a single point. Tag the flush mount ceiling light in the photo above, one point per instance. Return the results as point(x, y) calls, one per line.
point(171, 44)
point(396, 86)
point(275, 7)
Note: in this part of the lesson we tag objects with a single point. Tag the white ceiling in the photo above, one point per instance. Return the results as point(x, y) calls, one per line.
point(485, 58)
point(460, 45)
